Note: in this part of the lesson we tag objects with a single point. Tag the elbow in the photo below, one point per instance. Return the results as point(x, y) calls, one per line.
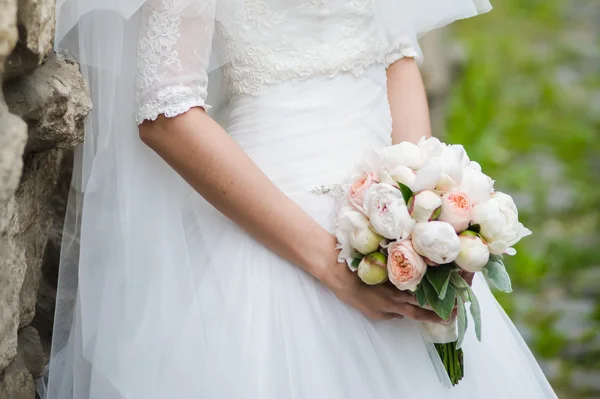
point(153, 132)
point(148, 132)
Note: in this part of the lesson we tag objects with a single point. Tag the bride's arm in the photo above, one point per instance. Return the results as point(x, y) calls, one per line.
point(215, 166)
point(408, 101)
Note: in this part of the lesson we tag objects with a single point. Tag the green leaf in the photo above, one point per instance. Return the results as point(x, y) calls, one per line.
point(439, 277)
point(475, 227)
point(355, 262)
point(443, 307)
point(475, 313)
point(458, 282)
point(495, 272)
point(462, 321)
point(421, 298)
point(497, 258)
point(406, 192)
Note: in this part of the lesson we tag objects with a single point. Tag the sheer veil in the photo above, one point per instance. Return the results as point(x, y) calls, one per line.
point(125, 269)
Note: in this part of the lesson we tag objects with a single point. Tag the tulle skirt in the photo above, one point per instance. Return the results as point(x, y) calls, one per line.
point(187, 305)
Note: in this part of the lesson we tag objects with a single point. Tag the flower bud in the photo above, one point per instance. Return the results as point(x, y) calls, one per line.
point(422, 206)
point(365, 240)
point(474, 253)
point(372, 269)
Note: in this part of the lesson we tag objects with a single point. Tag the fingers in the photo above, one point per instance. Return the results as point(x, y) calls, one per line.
point(397, 296)
point(405, 297)
point(376, 315)
point(420, 314)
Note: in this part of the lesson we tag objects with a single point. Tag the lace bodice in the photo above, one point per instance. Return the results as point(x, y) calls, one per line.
point(268, 42)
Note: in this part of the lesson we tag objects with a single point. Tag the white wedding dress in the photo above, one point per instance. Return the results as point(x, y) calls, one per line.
point(176, 301)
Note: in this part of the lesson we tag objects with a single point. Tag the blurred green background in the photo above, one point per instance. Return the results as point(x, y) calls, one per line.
point(526, 105)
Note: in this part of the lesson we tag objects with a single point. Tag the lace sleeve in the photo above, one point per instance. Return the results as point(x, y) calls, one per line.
point(173, 55)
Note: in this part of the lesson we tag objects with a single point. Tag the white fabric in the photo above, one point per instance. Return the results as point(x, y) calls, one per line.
point(160, 296)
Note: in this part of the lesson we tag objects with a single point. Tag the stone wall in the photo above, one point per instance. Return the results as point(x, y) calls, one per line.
point(43, 103)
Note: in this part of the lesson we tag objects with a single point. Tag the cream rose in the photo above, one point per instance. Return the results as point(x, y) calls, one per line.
point(405, 266)
point(474, 253)
point(360, 187)
point(456, 210)
point(387, 212)
point(437, 241)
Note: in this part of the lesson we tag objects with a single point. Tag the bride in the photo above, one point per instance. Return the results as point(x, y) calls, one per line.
point(197, 260)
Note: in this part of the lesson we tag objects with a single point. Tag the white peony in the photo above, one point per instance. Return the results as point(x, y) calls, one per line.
point(385, 207)
point(430, 147)
point(436, 241)
point(403, 174)
point(477, 186)
point(452, 161)
point(499, 221)
point(423, 206)
point(474, 253)
point(427, 176)
point(353, 229)
point(372, 162)
point(404, 154)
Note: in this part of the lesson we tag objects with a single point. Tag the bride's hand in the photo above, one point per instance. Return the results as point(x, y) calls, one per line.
point(380, 302)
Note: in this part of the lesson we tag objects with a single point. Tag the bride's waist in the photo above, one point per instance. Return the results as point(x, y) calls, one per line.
point(304, 133)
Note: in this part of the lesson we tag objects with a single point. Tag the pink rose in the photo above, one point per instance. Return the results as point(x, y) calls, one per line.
point(360, 187)
point(456, 210)
point(406, 267)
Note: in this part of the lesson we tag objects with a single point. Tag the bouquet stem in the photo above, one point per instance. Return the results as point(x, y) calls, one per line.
point(452, 358)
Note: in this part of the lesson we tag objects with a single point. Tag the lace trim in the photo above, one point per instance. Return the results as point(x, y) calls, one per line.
point(172, 101)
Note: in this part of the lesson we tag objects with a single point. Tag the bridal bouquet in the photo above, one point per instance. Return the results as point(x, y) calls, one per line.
point(420, 216)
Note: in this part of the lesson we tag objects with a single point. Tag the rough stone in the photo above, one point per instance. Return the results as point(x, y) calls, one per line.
point(54, 101)
point(24, 241)
point(17, 382)
point(30, 348)
point(8, 29)
point(13, 135)
point(33, 223)
point(36, 25)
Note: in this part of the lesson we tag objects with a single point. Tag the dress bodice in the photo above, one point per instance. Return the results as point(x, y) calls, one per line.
point(282, 40)
point(264, 42)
